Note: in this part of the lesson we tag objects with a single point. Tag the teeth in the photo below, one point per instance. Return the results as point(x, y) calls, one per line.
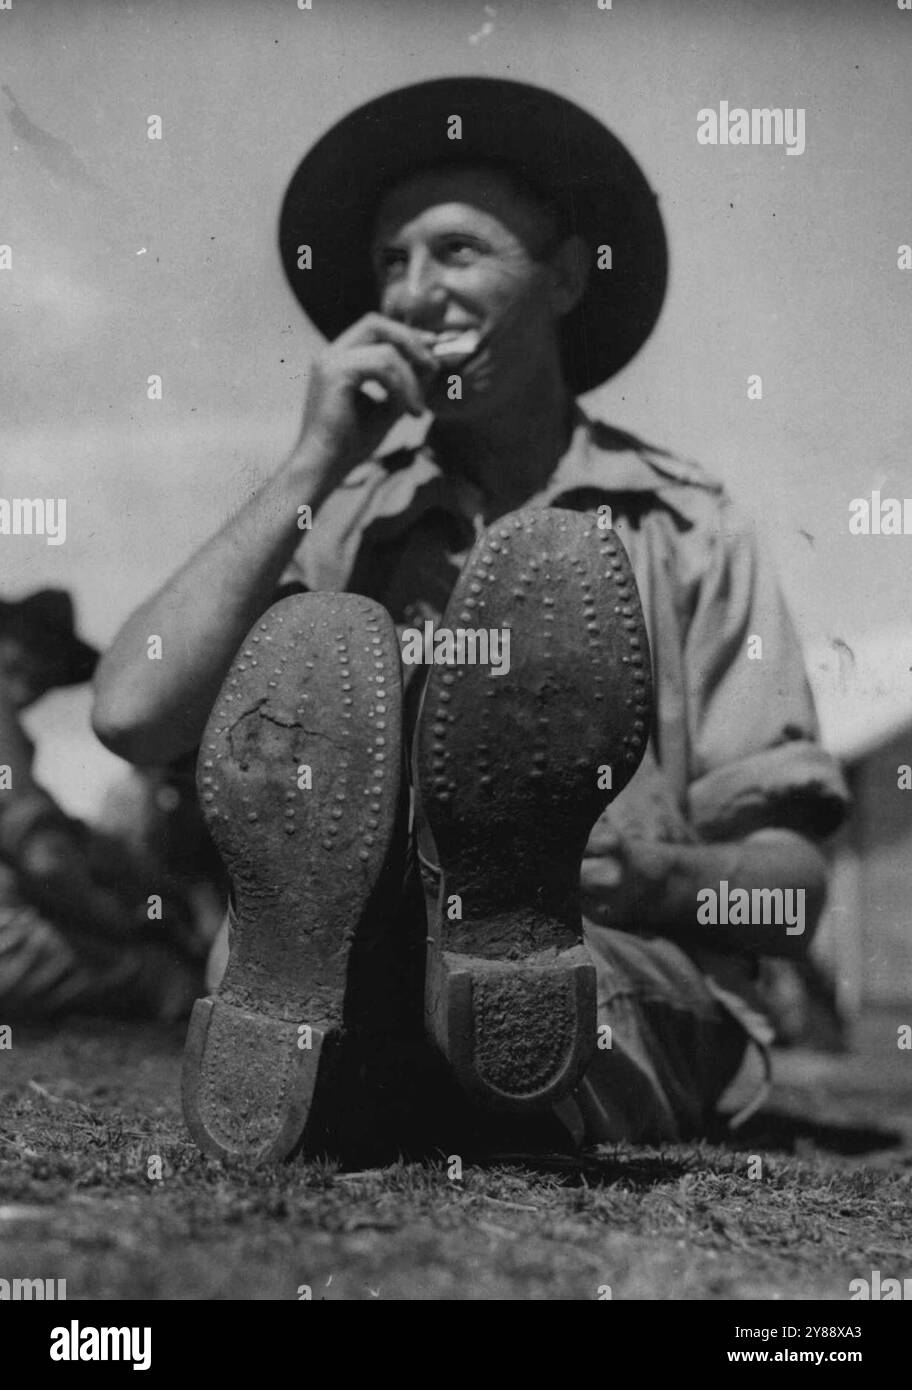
point(451, 348)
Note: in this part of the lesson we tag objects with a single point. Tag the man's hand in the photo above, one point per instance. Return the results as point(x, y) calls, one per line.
point(647, 809)
point(342, 422)
point(623, 877)
point(644, 868)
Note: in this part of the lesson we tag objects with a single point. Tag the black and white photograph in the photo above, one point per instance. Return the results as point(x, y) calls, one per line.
point(456, 663)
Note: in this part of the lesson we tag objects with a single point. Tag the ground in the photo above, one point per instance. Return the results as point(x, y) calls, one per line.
point(86, 1108)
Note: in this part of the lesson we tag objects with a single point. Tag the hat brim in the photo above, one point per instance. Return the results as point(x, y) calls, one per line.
point(553, 145)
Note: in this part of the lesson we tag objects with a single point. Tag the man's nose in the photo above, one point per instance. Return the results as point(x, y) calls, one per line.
point(420, 289)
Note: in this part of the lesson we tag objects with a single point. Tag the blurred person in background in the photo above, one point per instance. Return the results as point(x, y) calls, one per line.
point(79, 930)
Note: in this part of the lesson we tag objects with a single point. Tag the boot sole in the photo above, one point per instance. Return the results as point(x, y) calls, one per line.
point(508, 772)
point(317, 684)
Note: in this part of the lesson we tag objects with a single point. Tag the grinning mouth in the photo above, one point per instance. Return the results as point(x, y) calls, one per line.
point(453, 348)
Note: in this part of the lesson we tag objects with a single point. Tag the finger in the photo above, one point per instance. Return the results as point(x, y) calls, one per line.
point(414, 343)
point(402, 376)
point(384, 365)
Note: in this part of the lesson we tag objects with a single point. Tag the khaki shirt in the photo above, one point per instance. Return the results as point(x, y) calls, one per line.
point(737, 738)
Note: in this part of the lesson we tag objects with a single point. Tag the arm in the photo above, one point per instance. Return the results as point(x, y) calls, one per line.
point(658, 883)
point(761, 793)
point(152, 711)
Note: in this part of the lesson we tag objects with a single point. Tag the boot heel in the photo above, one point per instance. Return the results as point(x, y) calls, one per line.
point(517, 1037)
point(259, 1109)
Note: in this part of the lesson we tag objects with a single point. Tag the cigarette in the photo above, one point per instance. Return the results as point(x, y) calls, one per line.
point(450, 350)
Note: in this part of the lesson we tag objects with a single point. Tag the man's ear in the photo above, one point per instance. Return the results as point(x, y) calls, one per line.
point(569, 264)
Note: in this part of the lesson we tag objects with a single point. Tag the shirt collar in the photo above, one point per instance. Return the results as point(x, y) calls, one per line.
point(599, 456)
point(383, 498)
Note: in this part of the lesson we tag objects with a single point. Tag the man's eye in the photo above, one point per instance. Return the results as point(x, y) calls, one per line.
point(461, 250)
point(389, 262)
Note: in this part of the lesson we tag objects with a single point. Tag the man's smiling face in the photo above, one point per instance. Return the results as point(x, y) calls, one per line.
point(455, 249)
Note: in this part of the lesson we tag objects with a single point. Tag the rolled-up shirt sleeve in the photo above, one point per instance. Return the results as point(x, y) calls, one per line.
point(756, 757)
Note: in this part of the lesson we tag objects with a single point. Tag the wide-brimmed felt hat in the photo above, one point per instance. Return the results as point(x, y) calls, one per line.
point(557, 149)
point(44, 622)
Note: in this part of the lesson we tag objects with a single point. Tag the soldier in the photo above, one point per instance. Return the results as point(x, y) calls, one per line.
point(74, 930)
point(479, 252)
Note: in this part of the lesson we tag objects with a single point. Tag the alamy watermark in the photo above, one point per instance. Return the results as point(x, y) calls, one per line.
point(77, 1343)
point(756, 906)
point(882, 516)
point(34, 516)
point(760, 125)
point(32, 1290)
point(461, 646)
point(878, 1289)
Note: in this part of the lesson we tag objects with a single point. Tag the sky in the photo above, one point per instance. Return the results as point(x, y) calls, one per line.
point(133, 257)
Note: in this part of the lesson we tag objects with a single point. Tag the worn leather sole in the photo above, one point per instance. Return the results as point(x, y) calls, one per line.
point(299, 777)
point(509, 769)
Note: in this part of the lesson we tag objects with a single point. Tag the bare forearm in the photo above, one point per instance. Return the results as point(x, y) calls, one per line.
point(151, 708)
point(689, 891)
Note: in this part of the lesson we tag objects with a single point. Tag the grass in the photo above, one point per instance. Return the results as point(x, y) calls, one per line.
point(83, 1110)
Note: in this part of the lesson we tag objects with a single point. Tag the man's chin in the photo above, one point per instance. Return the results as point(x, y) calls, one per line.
point(474, 405)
